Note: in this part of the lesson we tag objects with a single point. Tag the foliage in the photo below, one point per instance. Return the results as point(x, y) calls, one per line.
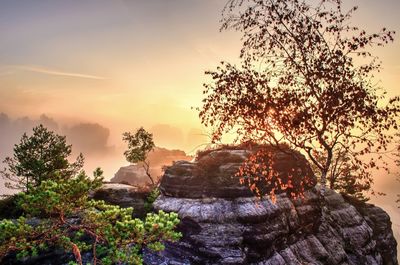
point(39, 157)
point(226, 147)
point(75, 224)
point(139, 146)
point(348, 177)
point(151, 198)
point(263, 174)
point(299, 83)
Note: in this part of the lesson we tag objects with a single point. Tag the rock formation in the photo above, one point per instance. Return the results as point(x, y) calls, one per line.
point(123, 195)
point(133, 174)
point(158, 158)
point(223, 223)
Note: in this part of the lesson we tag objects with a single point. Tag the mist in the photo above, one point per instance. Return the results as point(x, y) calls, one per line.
point(94, 141)
point(101, 146)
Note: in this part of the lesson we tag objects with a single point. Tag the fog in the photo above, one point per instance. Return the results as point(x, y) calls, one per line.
point(94, 141)
point(100, 145)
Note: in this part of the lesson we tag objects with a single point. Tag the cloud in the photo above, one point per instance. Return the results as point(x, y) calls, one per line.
point(6, 72)
point(49, 71)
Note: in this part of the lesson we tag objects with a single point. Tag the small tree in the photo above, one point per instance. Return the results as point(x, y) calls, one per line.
point(348, 177)
point(108, 232)
point(39, 157)
point(299, 83)
point(139, 146)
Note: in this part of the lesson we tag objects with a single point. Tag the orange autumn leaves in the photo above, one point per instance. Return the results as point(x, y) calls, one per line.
point(264, 174)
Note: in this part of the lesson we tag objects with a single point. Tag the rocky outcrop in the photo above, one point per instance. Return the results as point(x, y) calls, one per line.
point(213, 174)
point(381, 225)
point(158, 158)
point(123, 195)
point(133, 174)
point(222, 223)
point(252, 231)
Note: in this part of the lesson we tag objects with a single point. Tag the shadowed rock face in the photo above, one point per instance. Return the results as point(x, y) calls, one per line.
point(213, 175)
point(222, 223)
point(250, 231)
point(124, 196)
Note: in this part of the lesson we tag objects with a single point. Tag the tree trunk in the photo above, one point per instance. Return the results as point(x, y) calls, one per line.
point(323, 183)
point(332, 183)
point(146, 166)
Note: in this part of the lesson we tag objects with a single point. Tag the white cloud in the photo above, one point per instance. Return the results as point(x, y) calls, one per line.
point(49, 71)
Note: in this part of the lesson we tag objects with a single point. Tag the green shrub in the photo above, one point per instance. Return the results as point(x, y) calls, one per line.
point(153, 195)
point(109, 232)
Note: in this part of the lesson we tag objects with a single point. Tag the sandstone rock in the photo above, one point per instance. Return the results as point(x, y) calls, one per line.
point(213, 174)
point(223, 223)
point(133, 174)
point(381, 225)
point(124, 196)
point(247, 230)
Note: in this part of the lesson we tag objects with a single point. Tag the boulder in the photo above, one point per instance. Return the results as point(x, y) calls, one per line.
point(123, 195)
point(133, 174)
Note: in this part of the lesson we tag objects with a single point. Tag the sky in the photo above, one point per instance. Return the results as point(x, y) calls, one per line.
point(121, 63)
point(92, 69)
point(126, 64)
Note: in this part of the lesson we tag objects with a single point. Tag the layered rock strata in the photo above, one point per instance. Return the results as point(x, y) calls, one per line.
point(223, 223)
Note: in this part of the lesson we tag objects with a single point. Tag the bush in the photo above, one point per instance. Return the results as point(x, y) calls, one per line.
point(151, 198)
point(73, 223)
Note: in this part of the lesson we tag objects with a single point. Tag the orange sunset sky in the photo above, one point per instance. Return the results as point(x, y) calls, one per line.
point(123, 64)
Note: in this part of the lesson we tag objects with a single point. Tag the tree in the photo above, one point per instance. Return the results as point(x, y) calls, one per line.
point(108, 232)
point(39, 157)
point(348, 177)
point(139, 146)
point(299, 83)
